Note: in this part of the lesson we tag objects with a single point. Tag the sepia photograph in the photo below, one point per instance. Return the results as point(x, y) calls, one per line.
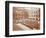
point(26, 18)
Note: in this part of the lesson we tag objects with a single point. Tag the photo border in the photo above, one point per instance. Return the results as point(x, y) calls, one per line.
point(7, 18)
